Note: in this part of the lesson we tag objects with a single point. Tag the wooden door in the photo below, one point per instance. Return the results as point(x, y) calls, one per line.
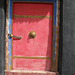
point(32, 36)
point(32, 53)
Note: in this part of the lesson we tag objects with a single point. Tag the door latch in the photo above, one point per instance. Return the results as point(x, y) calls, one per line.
point(17, 37)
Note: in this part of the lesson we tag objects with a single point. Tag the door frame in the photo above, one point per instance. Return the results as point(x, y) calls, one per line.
point(55, 45)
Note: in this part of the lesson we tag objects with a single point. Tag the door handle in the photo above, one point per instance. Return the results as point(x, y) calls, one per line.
point(32, 34)
point(11, 35)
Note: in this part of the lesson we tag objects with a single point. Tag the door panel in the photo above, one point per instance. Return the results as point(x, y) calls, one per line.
point(29, 53)
point(32, 64)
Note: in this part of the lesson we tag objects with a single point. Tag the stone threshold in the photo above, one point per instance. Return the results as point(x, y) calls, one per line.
point(26, 72)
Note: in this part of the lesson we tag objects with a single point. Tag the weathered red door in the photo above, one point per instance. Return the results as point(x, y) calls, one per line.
point(32, 53)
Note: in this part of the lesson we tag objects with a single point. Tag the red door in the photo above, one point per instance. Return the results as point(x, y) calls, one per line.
point(32, 52)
